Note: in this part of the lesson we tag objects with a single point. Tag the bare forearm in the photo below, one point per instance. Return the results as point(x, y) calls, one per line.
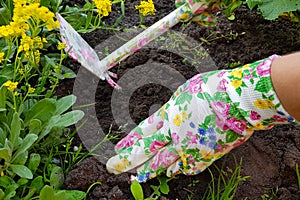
point(285, 75)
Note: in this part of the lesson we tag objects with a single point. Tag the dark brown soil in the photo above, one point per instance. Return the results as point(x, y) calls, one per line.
point(269, 157)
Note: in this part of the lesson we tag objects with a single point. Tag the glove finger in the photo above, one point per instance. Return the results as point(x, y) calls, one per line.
point(205, 19)
point(146, 128)
point(139, 153)
point(157, 164)
point(197, 161)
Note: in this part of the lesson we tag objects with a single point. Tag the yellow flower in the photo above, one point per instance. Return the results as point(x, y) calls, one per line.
point(262, 104)
point(236, 83)
point(2, 173)
point(177, 120)
point(103, 6)
point(237, 73)
point(37, 56)
point(11, 86)
point(26, 44)
point(2, 56)
point(259, 126)
point(247, 66)
point(31, 90)
point(184, 16)
point(61, 46)
point(184, 114)
point(119, 167)
point(21, 71)
point(270, 103)
point(146, 8)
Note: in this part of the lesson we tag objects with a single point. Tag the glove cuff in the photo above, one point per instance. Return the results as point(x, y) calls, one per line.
point(252, 94)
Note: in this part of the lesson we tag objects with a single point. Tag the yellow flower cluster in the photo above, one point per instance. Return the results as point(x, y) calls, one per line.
point(2, 54)
point(103, 6)
point(11, 86)
point(31, 90)
point(61, 46)
point(146, 8)
point(236, 83)
point(120, 166)
point(29, 45)
point(23, 11)
point(263, 104)
point(179, 118)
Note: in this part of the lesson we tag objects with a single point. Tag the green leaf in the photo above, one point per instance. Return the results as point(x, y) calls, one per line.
point(21, 171)
point(136, 190)
point(2, 195)
point(239, 91)
point(57, 177)
point(22, 181)
point(26, 144)
point(64, 103)
point(48, 193)
point(4, 154)
point(70, 118)
point(261, 85)
point(231, 136)
point(21, 159)
point(15, 128)
point(6, 181)
point(67, 73)
point(34, 161)
point(37, 184)
point(3, 91)
point(74, 194)
point(271, 9)
point(35, 126)
point(2, 136)
point(200, 95)
point(42, 110)
point(164, 187)
point(183, 97)
point(4, 16)
point(252, 3)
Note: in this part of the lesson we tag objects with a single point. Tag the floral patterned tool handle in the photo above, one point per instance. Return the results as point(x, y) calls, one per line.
point(79, 49)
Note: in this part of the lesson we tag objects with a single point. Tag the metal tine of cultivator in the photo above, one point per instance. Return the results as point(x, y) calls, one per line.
point(78, 48)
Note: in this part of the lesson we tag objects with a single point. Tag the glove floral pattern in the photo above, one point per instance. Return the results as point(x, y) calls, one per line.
point(206, 117)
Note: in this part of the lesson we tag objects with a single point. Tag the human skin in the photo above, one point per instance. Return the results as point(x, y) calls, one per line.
point(285, 76)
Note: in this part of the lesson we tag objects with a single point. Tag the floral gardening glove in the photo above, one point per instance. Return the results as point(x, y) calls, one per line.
point(200, 10)
point(206, 117)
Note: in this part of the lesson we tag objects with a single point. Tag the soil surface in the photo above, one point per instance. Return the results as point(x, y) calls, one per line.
point(269, 157)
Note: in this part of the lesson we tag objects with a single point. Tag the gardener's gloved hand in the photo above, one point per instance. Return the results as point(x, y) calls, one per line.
point(200, 10)
point(208, 116)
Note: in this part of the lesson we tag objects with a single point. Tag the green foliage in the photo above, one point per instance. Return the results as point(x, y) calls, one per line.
point(25, 129)
point(225, 185)
point(272, 9)
point(163, 188)
point(86, 19)
point(298, 177)
point(137, 190)
point(48, 193)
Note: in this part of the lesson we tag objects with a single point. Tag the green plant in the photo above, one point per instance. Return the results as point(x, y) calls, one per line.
point(271, 195)
point(24, 126)
point(298, 176)
point(272, 9)
point(145, 8)
point(225, 185)
point(24, 39)
point(163, 188)
point(88, 18)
